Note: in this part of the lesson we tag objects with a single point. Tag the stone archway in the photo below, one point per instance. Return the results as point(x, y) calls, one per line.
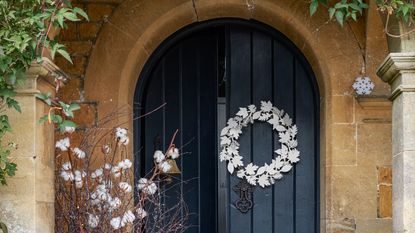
point(135, 30)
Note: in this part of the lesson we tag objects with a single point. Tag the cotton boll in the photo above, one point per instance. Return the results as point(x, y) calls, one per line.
point(128, 217)
point(79, 153)
point(115, 203)
point(69, 129)
point(165, 166)
point(125, 164)
point(146, 186)
point(173, 153)
point(125, 187)
point(93, 220)
point(116, 171)
point(67, 166)
point(106, 149)
point(124, 140)
point(116, 223)
point(141, 213)
point(63, 144)
point(159, 156)
point(79, 184)
point(67, 176)
point(107, 166)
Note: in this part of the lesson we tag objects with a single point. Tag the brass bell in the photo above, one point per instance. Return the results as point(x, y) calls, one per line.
point(174, 170)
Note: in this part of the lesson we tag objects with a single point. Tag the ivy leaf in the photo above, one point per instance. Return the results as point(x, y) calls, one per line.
point(81, 12)
point(43, 119)
point(65, 55)
point(331, 12)
point(313, 7)
point(324, 2)
point(339, 17)
point(45, 97)
point(12, 103)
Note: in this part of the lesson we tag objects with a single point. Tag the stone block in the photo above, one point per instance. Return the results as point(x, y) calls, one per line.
point(374, 225)
point(374, 144)
point(344, 148)
point(343, 109)
point(72, 91)
point(23, 125)
point(385, 201)
point(86, 116)
point(97, 12)
point(19, 215)
point(384, 175)
point(79, 48)
point(345, 225)
point(77, 68)
point(353, 192)
point(70, 33)
point(88, 31)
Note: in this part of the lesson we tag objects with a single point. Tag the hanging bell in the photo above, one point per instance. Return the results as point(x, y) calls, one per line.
point(174, 170)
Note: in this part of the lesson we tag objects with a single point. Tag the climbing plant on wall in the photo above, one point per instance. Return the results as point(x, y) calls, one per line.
point(25, 27)
point(342, 10)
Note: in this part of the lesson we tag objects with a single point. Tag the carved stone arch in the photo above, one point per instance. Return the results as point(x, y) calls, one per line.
point(137, 28)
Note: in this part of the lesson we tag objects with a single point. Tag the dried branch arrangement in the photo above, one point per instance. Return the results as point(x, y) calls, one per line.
point(95, 188)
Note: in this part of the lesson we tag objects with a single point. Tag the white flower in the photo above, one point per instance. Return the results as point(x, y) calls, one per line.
point(128, 217)
point(146, 186)
point(79, 153)
point(125, 164)
point(116, 171)
point(165, 166)
point(141, 213)
point(173, 153)
point(93, 220)
point(159, 156)
point(125, 187)
point(69, 129)
point(63, 144)
point(67, 166)
point(116, 223)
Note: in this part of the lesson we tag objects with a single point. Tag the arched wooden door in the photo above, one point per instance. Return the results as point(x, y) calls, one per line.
point(204, 73)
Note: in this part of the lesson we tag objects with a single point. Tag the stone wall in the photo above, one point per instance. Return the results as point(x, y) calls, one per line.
point(110, 50)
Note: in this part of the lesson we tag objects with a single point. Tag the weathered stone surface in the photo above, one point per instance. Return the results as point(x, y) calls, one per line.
point(344, 150)
point(340, 103)
point(385, 201)
point(374, 225)
point(345, 225)
point(97, 12)
point(374, 144)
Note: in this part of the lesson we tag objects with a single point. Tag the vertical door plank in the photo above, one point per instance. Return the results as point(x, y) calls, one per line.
point(262, 143)
point(190, 143)
point(172, 115)
point(207, 61)
point(283, 99)
point(305, 169)
point(154, 130)
point(240, 95)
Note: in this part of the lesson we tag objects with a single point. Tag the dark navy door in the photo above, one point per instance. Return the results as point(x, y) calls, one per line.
point(204, 73)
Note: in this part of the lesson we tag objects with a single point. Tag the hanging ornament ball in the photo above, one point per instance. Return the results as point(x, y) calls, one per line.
point(363, 86)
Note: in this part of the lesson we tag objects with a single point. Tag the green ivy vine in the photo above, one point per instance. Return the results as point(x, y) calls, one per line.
point(343, 10)
point(25, 26)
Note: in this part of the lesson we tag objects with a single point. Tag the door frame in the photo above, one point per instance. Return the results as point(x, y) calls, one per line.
point(181, 34)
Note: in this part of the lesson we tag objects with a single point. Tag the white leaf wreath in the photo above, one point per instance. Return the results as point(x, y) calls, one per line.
point(286, 156)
